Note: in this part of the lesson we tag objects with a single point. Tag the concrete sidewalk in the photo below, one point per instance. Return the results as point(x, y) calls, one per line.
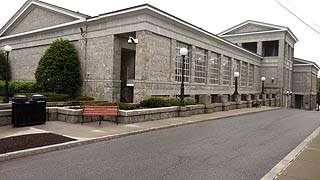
point(306, 163)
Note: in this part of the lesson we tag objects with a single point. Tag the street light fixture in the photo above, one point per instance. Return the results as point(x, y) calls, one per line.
point(262, 79)
point(236, 75)
point(183, 53)
point(7, 49)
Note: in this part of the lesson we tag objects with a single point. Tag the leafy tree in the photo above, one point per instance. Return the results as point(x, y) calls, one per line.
point(59, 69)
point(2, 65)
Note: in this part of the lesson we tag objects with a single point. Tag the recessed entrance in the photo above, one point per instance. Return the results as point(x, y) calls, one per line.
point(127, 75)
point(298, 101)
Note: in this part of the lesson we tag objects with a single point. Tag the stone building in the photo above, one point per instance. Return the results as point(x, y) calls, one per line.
point(304, 83)
point(131, 54)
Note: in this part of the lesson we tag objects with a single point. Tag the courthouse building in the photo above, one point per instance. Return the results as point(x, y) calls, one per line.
point(132, 54)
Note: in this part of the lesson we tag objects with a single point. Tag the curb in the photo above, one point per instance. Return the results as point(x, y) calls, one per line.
point(286, 161)
point(68, 145)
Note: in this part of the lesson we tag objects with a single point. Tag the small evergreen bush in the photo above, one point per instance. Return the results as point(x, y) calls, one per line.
point(59, 69)
point(174, 101)
point(85, 98)
point(154, 102)
point(54, 97)
point(126, 106)
point(189, 101)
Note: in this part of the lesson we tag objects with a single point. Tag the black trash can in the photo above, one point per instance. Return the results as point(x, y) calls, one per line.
point(27, 112)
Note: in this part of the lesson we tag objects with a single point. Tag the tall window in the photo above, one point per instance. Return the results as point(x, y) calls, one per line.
point(270, 48)
point(226, 70)
point(251, 46)
point(214, 67)
point(236, 67)
point(244, 74)
point(200, 65)
point(251, 74)
point(179, 62)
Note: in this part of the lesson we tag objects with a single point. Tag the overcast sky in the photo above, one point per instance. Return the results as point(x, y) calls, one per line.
point(214, 16)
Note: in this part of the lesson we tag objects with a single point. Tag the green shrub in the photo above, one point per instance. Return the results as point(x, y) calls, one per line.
point(59, 69)
point(85, 98)
point(104, 103)
point(126, 106)
point(174, 101)
point(189, 101)
point(154, 102)
point(54, 97)
point(18, 87)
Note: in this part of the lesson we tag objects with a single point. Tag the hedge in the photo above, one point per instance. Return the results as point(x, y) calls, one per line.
point(18, 87)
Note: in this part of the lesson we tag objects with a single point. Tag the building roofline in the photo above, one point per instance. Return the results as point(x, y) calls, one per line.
point(282, 28)
point(308, 62)
point(172, 17)
point(29, 3)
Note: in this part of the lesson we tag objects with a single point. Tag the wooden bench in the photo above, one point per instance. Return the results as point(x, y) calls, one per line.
point(101, 111)
point(255, 103)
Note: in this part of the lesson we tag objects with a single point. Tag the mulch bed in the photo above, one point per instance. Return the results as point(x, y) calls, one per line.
point(22, 142)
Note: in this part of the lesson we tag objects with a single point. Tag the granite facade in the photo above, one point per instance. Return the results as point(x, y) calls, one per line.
point(101, 42)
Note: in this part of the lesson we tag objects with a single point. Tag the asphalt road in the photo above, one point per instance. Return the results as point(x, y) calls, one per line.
point(243, 147)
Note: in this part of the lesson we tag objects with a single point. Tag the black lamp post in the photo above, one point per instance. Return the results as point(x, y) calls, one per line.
point(262, 79)
point(8, 49)
point(236, 75)
point(183, 53)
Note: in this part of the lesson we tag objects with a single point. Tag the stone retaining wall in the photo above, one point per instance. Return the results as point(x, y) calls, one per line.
point(139, 115)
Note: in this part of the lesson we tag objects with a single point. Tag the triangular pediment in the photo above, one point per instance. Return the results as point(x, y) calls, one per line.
point(37, 15)
point(249, 28)
point(252, 27)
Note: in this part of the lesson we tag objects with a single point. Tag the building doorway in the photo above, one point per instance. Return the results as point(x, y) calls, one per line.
point(127, 75)
point(298, 101)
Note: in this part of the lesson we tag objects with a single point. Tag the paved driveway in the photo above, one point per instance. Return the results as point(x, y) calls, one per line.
point(243, 147)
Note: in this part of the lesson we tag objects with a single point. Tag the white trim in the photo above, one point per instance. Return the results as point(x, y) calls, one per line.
point(56, 9)
point(43, 29)
point(215, 37)
point(250, 22)
point(172, 18)
point(116, 13)
point(260, 24)
point(307, 62)
point(301, 65)
point(251, 33)
point(14, 20)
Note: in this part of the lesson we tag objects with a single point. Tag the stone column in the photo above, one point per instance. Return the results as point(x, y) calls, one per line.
point(249, 101)
point(192, 63)
point(205, 99)
point(264, 99)
point(208, 68)
point(221, 71)
point(172, 76)
point(259, 48)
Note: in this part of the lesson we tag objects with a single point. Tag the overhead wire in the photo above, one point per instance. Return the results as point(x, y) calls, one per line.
point(298, 17)
point(310, 20)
